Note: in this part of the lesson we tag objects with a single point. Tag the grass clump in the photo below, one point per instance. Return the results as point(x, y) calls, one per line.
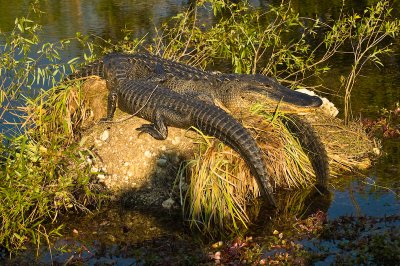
point(58, 114)
point(45, 173)
point(221, 185)
point(218, 191)
point(285, 158)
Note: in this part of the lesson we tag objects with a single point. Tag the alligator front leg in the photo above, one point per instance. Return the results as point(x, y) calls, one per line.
point(111, 106)
point(157, 130)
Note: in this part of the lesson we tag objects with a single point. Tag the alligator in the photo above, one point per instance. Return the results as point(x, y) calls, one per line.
point(237, 93)
point(232, 92)
point(229, 89)
point(164, 107)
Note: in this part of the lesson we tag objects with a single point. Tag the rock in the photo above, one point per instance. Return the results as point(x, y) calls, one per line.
point(376, 151)
point(327, 106)
point(89, 161)
point(105, 135)
point(148, 154)
point(176, 140)
point(101, 177)
point(162, 162)
point(167, 204)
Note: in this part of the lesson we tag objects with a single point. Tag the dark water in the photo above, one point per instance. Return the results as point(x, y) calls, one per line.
point(105, 18)
point(377, 195)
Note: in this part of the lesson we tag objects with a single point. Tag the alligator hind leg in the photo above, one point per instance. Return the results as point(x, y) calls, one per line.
point(157, 130)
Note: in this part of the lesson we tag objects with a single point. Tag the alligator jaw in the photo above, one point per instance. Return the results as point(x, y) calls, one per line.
point(279, 93)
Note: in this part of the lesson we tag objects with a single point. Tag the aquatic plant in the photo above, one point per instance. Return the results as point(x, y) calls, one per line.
point(370, 36)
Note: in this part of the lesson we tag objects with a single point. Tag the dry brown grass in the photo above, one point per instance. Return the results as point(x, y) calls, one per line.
point(349, 148)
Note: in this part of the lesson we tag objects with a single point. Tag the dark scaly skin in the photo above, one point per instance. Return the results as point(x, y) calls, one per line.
point(164, 107)
point(95, 68)
point(218, 83)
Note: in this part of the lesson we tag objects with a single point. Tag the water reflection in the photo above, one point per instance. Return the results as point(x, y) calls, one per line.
point(363, 198)
point(105, 18)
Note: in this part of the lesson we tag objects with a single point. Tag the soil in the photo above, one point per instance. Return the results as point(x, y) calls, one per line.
point(137, 168)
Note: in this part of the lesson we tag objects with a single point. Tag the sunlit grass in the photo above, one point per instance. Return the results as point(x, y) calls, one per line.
point(58, 112)
point(38, 183)
point(220, 185)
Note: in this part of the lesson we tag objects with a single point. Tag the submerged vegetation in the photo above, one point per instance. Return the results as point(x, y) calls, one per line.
point(45, 172)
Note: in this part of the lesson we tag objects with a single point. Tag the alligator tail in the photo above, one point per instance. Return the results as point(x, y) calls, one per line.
point(96, 68)
point(232, 133)
point(313, 146)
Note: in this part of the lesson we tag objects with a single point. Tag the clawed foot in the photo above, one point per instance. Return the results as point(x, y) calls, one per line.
point(151, 130)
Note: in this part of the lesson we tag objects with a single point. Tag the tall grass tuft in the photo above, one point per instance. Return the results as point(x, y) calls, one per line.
point(220, 183)
point(218, 189)
point(57, 114)
point(285, 158)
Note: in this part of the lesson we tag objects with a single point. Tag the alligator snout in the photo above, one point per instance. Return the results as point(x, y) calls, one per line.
point(302, 99)
point(276, 92)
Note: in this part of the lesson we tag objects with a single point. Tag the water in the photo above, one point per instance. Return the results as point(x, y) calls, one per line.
point(104, 18)
point(375, 196)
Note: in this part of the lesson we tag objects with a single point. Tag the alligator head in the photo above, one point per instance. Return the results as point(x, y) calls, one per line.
point(249, 89)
